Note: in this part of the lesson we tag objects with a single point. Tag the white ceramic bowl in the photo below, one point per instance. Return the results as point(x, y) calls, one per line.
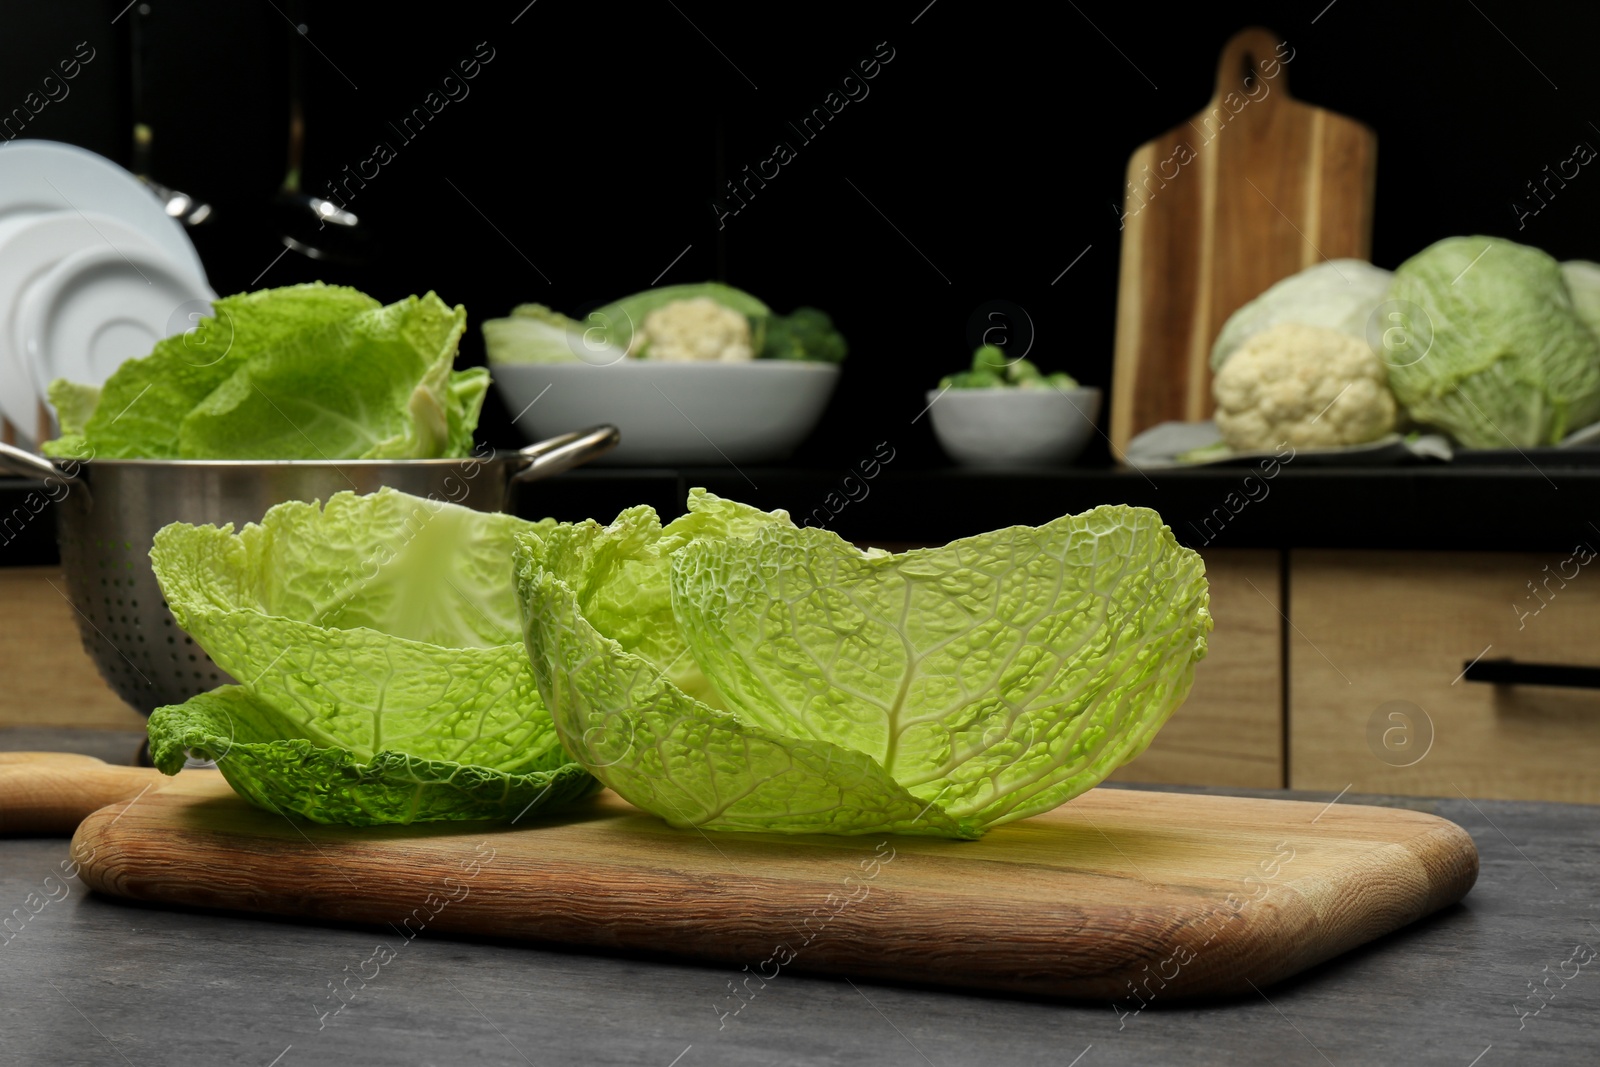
point(691, 414)
point(1013, 427)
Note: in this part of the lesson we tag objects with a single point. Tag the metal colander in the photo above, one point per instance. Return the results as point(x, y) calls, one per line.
point(108, 512)
point(124, 621)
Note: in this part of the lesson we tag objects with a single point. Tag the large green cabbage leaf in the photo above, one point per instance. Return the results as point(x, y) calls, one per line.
point(140, 408)
point(378, 632)
point(262, 757)
point(939, 691)
point(1511, 363)
point(375, 386)
point(303, 372)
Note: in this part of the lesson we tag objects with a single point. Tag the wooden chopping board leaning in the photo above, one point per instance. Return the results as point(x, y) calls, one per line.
point(1256, 187)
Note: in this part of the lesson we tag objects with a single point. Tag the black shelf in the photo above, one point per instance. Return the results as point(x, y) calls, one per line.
point(1424, 507)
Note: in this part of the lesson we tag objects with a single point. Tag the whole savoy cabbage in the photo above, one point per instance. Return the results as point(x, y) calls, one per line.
point(1511, 363)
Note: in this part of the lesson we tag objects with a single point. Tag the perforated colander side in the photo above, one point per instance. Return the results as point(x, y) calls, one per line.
point(125, 623)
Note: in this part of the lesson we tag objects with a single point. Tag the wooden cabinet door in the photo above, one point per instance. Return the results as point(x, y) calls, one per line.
point(1377, 697)
point(1230, 730)
point(49, 679)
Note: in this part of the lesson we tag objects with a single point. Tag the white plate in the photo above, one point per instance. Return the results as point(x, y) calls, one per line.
point(42, 176)
point(16, 386)
point(1170, 444)
point(29, 248)
point(102, 305)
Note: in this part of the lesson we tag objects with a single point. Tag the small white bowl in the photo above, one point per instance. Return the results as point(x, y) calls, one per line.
point(1002, 427)
point(670, 414)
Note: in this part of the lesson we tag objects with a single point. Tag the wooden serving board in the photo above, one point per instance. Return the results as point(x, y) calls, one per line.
point(1256, 187)
point(1120, 893)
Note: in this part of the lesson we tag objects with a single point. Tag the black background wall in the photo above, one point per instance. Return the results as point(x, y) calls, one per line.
point(986, 155)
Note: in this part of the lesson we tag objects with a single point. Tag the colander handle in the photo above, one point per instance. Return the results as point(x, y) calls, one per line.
point(546, 458)
point(25, 464)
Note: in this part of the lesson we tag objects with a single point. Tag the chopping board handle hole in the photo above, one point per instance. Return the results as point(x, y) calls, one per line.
point(1239, 66)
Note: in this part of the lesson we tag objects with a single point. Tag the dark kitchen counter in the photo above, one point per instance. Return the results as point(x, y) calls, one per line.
point(90, 980)
point(1514, 503)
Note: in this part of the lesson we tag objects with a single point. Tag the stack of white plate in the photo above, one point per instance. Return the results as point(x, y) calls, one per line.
point(92, 272)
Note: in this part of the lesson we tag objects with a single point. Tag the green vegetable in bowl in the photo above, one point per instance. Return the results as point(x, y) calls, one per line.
point(701, 321)
point(696, 330)
point(807, 334)
point(937, 692)
point(303, 372)
point(991, 369)
point(1511, 363)
point(535, 334)
point(380, 650)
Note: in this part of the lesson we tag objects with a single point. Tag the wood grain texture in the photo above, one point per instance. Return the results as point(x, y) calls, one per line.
point(1255, 187)
point(1120, 891)
point(52, 792)
point(1230, 730)
point(49, 679)
point(1378, 627)
point(20, 756)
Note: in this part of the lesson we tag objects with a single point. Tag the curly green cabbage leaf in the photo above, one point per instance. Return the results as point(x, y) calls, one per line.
point(938, 692)
point(302, 372)
point(75, 405)
point(378, 385)
point(1340, 294)
point(142, 405)
point(383, 627)
point(1511, 363)
point(533, 333)
point(266, 761)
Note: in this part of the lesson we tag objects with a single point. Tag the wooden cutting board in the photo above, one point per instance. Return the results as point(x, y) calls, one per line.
point(1119, 894)
point(1251, 190)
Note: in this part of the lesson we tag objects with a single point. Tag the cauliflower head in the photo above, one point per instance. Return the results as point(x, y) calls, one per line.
point(1339, 293)
point(1302, 385)
point(694, 330)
